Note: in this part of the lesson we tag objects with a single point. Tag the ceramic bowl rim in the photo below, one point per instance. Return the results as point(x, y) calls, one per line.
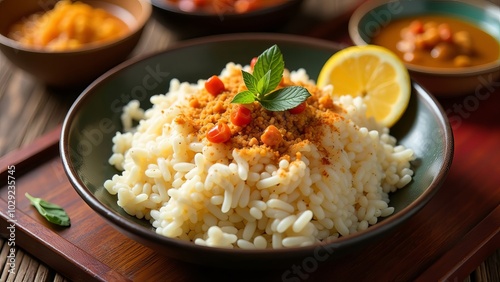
point(484, 5)
point(149, 234)
point(146, 11)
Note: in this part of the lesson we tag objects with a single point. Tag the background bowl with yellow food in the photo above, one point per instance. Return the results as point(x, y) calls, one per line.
point(451, 47)
point(65, 43)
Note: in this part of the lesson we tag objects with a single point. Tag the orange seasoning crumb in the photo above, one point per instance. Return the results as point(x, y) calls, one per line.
point(219, 107)
point(326, 102)
point(298, 155)
point(68, 26)
point(253, 142)
point(180, 119)
point(194, 103)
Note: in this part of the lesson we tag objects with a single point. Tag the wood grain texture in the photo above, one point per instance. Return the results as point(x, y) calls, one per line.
point(454, 238)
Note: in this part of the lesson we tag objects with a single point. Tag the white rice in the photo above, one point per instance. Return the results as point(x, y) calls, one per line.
point(180, 184)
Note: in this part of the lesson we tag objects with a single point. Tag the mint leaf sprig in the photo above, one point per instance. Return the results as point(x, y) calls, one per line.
point(261, 85)
point(52, 212)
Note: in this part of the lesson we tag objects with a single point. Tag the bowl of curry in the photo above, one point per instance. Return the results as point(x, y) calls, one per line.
point(70, 43)
point(451, 47)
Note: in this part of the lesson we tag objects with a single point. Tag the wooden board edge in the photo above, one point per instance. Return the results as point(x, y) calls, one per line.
point(457, 263)
point(31, 155)
point(63, 256)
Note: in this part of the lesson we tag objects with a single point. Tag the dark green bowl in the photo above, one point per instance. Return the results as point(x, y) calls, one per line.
point(374, 15)
point(95, 117)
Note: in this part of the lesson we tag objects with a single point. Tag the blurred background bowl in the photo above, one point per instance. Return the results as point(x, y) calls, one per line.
point(72, 67)
point(91, 123)
point(201, 22)
point(374, 15)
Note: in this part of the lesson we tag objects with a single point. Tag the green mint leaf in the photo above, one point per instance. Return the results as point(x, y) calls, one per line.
point(266, 76)
point(52, 212)
point(245, 97)
point(263, 84)
point(250, 82)
point(272, 60)
point(285, 98)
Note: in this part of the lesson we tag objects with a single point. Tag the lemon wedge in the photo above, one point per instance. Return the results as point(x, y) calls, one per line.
point(376, 74)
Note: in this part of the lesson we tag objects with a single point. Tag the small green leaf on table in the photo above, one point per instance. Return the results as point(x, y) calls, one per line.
point(52, 212)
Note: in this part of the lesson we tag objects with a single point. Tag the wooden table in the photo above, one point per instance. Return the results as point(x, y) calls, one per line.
point(464, 246)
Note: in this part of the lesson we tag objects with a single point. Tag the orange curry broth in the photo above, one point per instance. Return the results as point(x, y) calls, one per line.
point(223, 6)
point(467, 45)
point(67, 26)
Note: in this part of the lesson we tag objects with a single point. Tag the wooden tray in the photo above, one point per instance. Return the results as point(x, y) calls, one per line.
point(448, 239)
point(457, 230)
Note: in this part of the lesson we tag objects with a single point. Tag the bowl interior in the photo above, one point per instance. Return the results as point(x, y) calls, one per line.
point(376, 14)
point(95, 117)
